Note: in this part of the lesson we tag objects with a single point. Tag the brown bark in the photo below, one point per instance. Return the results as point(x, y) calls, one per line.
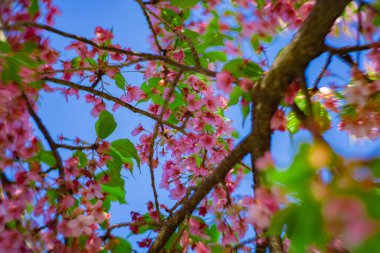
point(292, 61)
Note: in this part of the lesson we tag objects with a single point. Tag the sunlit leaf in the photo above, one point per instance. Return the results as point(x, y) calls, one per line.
point(105, 125)
point(125, 149)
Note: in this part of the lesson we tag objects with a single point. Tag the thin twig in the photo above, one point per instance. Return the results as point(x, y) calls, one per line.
point(70, 147)
point(177, 32)
point(46, 134)
point(154, 136)
point(146, 56)
point(359, 30)
point(152, 28)
point(114, 99)
point(350, 49)
point(243, 243)
point(92, 68)
point(324, 69)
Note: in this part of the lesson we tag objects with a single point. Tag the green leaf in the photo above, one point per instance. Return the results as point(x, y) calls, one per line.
point(375, 167)
point(105, 125)
point(47, 157)
point(235, 95)
point(13, 69)
point(243, 68)
point(106, 204)
point(116, 163)
point(5, 47)
point(305, 226)
point(245, 112)
point(260, 4)
point(91, 61)
point(120, 80)
point(82, 158)
point(25, 60)
point(280, 219)
point(255, 42)
point(292, 123)
point(297, 178)
point(33, 8)
point(184, 3)
point(217, 56)
point(213, 233)
point(122, 246)
point(370, 245)
point(52, 195)
point(171, 17)
point(321, 116)
point(125, 149)
point(115, 193)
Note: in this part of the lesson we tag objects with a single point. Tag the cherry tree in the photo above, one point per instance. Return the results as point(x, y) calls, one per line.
point(205, 57)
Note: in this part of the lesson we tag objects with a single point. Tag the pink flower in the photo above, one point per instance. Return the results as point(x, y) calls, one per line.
point(11, 241)
point(93, 191)
point(201, 248)
point(193, 103)
point(90, 98)
point(197, 227)
point(211, 103)
point(246, 84)
point(102, 35)
point(137, 130)
point(81, 225)
point(347, 217)
point(291, 93)
point(81, 49)
point(116, 56)
point(207, 141)
point(278, 121)
point(66, 202)
point(178, 192)
point(98, 212)
point(98, 107)
point(224, 81)
point(259, 215)
point(264, 162)
point(48, 55)
point(179, 56)
point(133, 94)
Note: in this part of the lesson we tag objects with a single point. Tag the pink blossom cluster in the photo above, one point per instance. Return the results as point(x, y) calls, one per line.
point(365, 120)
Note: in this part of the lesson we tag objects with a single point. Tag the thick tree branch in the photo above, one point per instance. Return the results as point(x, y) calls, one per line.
point(116, 100)
point(307, 45)
point(202, 190)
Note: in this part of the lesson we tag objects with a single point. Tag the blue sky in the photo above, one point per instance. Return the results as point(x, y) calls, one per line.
point(73, 119)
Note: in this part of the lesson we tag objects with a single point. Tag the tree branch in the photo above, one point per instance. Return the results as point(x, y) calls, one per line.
point(46, 134)
point(202, 190)
point(180, 34)
point(152, 141)
point(146, 56)
point(70, 147)
point(307, 45)
point(114, 99)
point(324, 69)
point(350, 49)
